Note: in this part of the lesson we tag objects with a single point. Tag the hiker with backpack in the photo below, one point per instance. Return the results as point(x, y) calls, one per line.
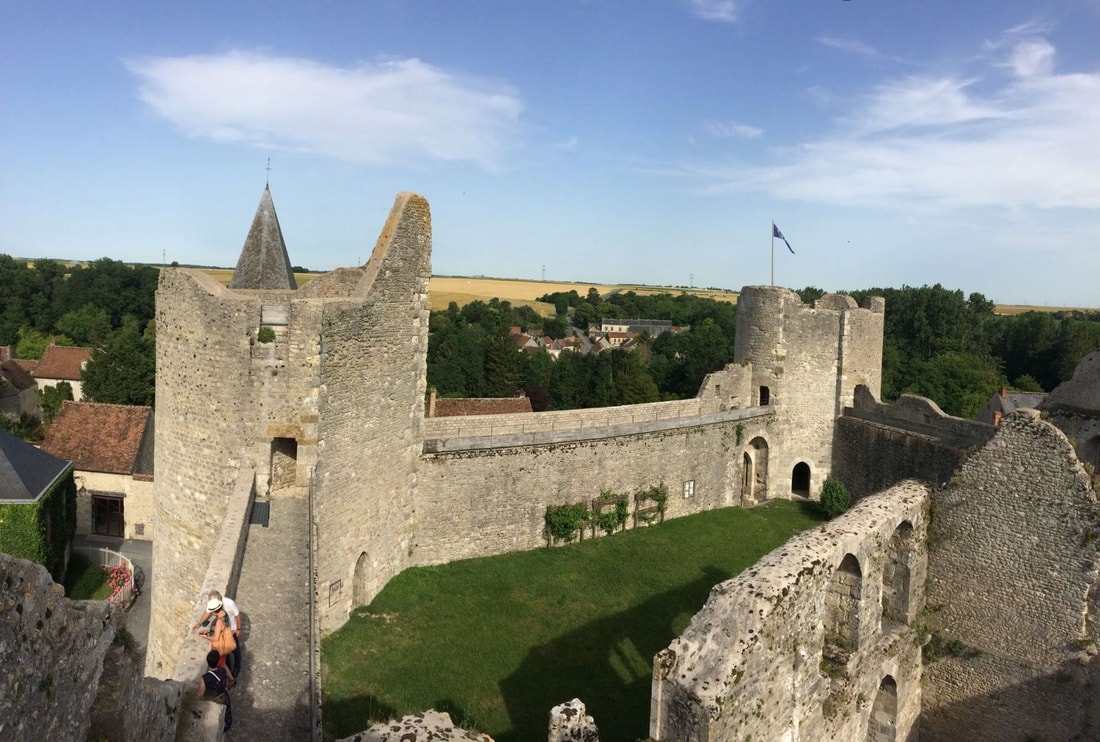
point(214, 685)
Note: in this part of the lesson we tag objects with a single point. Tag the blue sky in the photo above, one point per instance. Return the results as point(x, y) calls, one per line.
point(640, 141)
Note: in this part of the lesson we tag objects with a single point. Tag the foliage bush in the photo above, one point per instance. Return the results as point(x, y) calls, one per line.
point(614, 519)
point(835, 497)
point(658, 494)
point(564, 521)
point(265, 335)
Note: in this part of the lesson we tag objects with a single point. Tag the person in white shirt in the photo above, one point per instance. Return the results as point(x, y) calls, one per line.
point(233, 613)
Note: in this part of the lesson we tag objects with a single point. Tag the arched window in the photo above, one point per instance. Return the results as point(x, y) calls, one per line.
point(842, 611)
point(800, 479)
point(895, 576)
point(883, 724)
point(360, 590)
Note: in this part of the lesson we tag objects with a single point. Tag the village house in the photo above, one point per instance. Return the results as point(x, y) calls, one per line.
point(18, 391)
point(111, 447)
point(61, 363)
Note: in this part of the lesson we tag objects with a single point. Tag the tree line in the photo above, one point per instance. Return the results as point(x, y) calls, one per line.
point(939, 343)
point(104, 305)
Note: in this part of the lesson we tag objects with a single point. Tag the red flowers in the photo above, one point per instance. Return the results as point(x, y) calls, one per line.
point(120, 579)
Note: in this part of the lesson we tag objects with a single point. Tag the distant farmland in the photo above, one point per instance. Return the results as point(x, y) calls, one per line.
point(442, 290)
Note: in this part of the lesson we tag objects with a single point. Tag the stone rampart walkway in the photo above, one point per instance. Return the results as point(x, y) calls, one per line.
point(271, 701)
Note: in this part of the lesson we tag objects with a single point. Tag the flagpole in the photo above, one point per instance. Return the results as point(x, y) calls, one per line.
point(773, 253)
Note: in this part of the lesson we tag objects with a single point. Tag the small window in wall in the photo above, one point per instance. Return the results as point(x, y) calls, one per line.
point(689, 488)
point(335, 589)
point(765, 396)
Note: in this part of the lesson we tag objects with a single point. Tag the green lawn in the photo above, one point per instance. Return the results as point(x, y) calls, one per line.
point(497, 642)
point(84, 580)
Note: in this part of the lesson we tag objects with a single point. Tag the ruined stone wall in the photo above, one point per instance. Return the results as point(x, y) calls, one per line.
point(878, 445)
point(815, 641)
point(810, 360)
point(1014, 548)
point(373, 361)
point(52, 652)
point(486, 501)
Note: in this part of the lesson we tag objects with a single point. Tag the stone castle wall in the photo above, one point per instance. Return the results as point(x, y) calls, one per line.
point(500, 494)
point(64, 679)
point(1014, 552)
point(373, 365)
point(762, 659)
point(878, 445)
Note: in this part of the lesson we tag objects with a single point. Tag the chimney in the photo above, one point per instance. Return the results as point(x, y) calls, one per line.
point(997, 418)
point(1004, 392)
point(431, 402)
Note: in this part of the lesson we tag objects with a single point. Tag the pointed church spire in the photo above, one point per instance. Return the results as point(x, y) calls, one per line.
point(264, 263)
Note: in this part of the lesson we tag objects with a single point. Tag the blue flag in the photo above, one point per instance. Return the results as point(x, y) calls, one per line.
point(777, 233)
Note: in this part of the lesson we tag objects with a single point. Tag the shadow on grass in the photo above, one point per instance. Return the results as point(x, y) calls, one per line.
point(355, 713)
point(812, 508)
point(607, 664)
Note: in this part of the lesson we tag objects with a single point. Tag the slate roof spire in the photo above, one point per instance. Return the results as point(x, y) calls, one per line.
point(264, 263)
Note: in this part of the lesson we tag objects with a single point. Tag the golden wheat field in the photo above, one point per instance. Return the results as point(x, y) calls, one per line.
point(442, 290)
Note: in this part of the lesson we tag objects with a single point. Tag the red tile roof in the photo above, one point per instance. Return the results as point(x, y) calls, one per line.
point(481, 406)
point(16, 375)
point(98, 437)
point(60, 362)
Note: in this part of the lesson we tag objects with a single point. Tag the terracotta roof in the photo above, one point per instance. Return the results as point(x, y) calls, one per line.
point(101, 437)
point(16, 375)
point(481, 406)
point(60, 362)
point(27, 364)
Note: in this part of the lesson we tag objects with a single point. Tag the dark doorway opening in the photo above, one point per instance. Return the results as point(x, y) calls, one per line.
point(107, 516)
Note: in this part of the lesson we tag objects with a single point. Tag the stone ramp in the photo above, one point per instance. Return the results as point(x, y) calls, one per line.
point(271, 702)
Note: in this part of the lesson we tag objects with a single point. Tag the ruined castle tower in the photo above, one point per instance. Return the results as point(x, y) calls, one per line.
point(331, 405)
point(806, 363)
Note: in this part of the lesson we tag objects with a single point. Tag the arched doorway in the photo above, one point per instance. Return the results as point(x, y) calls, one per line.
point(895, 576)
point(754, 475)
point(360, 587)
point(883, 725)
point(800, 479)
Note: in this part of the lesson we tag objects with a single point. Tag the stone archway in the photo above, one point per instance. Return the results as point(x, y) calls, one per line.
point(883, 724)
point(360, 584)
point(800, 479)
point(895, 576)
point(754, 475)
point(842, 611)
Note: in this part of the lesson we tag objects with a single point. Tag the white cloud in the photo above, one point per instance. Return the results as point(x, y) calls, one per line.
point(370, 113)
point(724, 11)
point(1017, 141)
point(727, 129)
point(849, 45)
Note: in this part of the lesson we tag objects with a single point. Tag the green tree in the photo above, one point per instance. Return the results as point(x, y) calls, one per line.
point(123, 371)
point(87, 326)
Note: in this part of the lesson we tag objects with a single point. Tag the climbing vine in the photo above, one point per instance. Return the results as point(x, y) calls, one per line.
point(41, 531)
point(563, 522)
point(611, 520)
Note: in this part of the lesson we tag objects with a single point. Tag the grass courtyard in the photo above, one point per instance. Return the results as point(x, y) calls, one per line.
point(497, 642)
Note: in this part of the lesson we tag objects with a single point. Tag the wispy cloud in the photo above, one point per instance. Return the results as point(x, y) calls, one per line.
point(726, 129)
point(724, 11)
point(370, 113)
point(848, 45)
point(1014, 134)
